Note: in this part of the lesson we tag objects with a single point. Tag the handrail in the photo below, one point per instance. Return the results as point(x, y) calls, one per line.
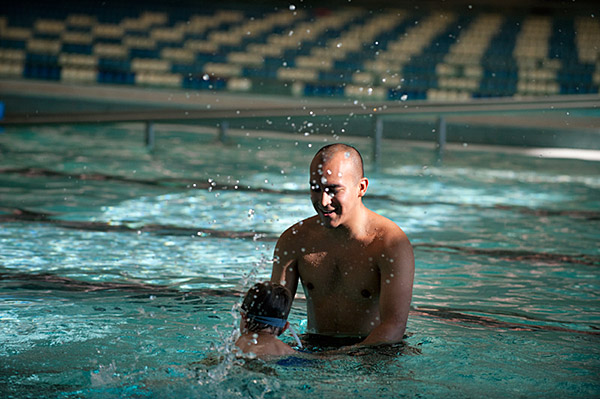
point(373, 109)
point(378, 111)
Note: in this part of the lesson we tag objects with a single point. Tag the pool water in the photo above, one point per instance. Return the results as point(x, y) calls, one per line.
point(121, 269)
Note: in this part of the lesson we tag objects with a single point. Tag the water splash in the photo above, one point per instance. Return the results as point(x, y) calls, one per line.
point(105, 376)
point(229, 356)
point(226, 349)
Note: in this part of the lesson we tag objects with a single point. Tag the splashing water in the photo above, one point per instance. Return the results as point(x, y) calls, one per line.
point(227, 335)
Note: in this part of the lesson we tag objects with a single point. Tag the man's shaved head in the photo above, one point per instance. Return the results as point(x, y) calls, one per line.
point(350, 153)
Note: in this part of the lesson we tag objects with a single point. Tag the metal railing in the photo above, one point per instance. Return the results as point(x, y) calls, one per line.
point(377, 111)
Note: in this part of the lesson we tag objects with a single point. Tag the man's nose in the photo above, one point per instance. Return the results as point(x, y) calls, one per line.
point(325, 198)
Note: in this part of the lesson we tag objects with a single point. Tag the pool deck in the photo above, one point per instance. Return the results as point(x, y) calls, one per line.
point(568, 121)
point(125, 96)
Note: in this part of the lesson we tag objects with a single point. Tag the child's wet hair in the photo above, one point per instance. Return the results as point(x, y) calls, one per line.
point(269, 300)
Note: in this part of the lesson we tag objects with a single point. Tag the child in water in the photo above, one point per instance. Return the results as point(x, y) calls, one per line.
point(264, 317)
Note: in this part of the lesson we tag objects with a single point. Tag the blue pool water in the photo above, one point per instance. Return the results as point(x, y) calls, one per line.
point(121, 269)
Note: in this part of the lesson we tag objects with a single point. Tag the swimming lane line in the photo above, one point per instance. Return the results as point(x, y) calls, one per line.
point(214, 186)
point(516, 254)
point(46, 281)
point(23, 215)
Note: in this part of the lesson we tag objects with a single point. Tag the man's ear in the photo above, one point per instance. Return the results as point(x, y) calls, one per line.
point(363, 184)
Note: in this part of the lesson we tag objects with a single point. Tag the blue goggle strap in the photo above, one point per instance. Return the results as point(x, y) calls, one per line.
point(270, 321)
point(275, 322)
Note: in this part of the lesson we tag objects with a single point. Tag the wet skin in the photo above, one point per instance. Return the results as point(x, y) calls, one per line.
point(262, 343)
point(356, 267)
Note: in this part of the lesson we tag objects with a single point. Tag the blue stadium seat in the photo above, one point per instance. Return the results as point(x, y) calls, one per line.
point(77, 48)
point(171, 36)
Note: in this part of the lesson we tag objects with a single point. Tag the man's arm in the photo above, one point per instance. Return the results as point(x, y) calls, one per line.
point(397, 268)
point(285, 268)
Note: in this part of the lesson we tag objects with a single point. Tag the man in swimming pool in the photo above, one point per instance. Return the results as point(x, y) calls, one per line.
point(356, 267)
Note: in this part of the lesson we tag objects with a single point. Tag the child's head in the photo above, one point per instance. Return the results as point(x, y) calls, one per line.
point(266, 306)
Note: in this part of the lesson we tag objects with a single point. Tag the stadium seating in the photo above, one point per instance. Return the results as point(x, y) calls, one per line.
point(387, 54)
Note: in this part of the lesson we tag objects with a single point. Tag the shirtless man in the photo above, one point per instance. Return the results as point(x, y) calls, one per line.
point(356, 267)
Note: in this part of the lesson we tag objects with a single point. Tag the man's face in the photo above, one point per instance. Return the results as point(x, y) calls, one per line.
point(334, 189)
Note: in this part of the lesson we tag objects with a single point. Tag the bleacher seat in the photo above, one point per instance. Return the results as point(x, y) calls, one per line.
point(389, 54)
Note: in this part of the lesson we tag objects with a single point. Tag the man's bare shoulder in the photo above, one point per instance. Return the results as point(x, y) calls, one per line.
point(299, 235)
point(386, 226)
point(389, 233)
point(301, 230)
point(395, 248)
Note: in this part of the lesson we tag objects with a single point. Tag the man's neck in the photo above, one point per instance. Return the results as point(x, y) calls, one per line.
point(357, 227)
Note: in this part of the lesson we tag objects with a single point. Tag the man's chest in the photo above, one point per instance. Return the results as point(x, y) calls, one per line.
point(339, 268)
